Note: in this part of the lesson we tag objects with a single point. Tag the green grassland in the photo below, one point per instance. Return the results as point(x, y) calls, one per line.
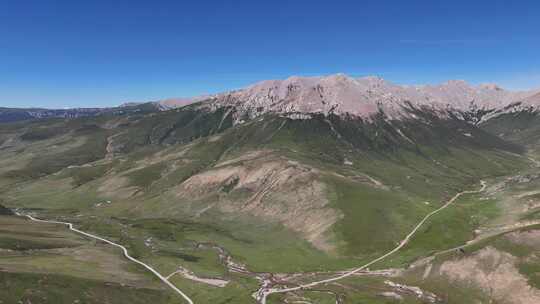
point(54, 288)
point(45, 263)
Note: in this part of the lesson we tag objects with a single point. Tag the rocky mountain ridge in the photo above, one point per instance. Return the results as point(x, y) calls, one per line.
point(364, 97)
point(300, 97)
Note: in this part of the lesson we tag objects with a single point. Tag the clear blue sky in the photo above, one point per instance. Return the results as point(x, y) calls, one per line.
point(101, 53)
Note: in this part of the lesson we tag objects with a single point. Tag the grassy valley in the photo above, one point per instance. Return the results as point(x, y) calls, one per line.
point(278, 195)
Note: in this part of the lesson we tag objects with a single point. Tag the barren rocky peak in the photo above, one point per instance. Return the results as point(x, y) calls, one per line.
point(363, 96)
point(533, 100)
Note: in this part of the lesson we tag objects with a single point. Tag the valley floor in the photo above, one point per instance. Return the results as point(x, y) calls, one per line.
point(507, 239)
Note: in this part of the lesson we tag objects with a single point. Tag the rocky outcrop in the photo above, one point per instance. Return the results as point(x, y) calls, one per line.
point(267, 186)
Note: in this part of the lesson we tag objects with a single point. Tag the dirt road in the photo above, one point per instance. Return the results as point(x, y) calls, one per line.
point(126, 254)
point(263, 293)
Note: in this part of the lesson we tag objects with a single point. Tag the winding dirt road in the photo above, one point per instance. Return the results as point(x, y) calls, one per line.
point(263, 293)
point(126, 254)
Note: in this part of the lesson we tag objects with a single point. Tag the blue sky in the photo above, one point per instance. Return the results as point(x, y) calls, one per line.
point(102, 53)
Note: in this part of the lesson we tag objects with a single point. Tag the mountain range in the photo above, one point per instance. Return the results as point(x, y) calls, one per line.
point(363, 97)
point(337, 94)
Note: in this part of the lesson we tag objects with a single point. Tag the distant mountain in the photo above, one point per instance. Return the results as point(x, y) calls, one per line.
point(19, 114)
point(533, 100)
point(338, 94)
point(15, 114)
point(180, 101)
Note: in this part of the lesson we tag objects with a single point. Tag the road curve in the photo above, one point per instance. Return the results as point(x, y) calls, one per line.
point(126, 254)
point(263, 294)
